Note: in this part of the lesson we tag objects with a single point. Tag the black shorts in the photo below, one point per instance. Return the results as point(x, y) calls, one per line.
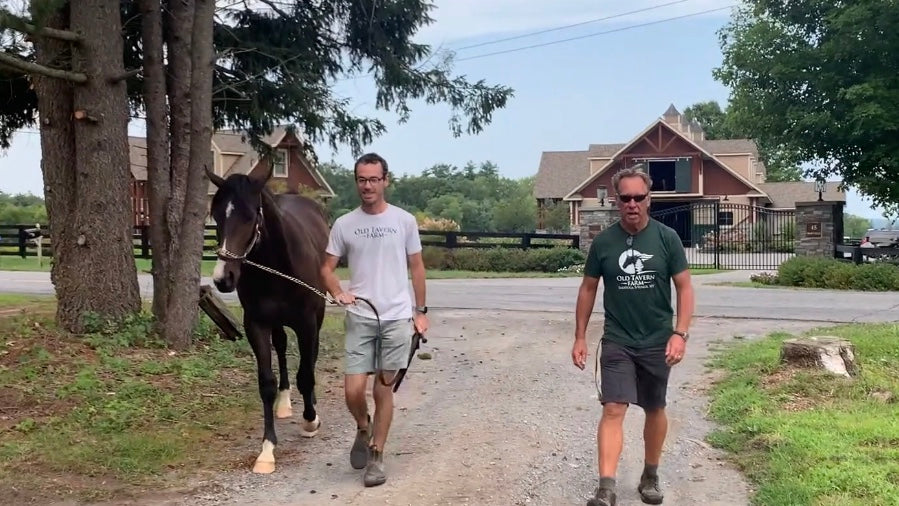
point(633, 375)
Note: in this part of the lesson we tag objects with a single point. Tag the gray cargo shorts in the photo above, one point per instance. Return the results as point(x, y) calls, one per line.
point(361, 332)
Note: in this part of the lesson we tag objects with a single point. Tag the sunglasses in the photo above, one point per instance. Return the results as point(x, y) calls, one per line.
point(635, 198)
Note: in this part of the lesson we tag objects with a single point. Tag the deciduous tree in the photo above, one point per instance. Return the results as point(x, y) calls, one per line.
point(821, 77)
point(781, 163)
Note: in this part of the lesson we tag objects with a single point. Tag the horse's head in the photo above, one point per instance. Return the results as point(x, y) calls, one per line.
point(237, 211)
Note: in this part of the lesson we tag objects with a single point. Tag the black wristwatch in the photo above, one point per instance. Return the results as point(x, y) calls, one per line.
point(422, 309)
point(685, 335)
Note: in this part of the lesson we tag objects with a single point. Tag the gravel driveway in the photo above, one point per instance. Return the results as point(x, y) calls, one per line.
point(499, 416)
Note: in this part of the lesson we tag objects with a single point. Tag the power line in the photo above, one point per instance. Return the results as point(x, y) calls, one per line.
point(594, 34)
point(589, 21)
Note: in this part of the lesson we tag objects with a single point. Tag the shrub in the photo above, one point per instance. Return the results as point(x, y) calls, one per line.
point(765, 278)
point(816, 272)
point(502, 259)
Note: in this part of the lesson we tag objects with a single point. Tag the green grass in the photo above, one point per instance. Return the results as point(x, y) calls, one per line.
point(114, 412)
point(14, 263)
point(808, 438)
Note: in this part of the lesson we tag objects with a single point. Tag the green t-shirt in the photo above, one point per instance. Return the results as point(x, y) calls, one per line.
point(637, 279)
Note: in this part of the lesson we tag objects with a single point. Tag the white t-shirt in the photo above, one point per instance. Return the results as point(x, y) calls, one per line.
point(377, 247)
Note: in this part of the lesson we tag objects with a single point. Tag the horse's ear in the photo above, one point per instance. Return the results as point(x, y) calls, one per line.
point(215, 178)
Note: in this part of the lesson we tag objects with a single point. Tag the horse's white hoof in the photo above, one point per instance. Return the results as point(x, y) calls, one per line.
point(310, 429)
point(282, 405)
point(265, 462)
point(264, 467)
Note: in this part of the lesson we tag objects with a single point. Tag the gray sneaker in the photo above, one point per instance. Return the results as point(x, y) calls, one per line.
point(359, 452)
point(603, 497)
point(649, 490)
point(374, 472)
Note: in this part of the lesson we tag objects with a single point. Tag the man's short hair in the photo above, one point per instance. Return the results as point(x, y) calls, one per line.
point(633, 171)
point(371, 158)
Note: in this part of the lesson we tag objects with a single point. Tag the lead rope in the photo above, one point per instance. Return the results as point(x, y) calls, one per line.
point(334, 301)
point(596, 372)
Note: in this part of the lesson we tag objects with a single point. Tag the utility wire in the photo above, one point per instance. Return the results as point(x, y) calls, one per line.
point(593, 34)
point(565, 27)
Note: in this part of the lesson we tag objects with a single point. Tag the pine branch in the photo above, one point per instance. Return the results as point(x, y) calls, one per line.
point(9, 20)
point(12, 62)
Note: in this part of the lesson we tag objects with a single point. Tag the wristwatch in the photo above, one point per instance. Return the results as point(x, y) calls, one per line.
point(422, 309)
point(685, 335)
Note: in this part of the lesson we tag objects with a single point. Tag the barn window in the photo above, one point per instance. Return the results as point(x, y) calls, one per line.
point(671, 175)
point(725, 218)
point(279, 163)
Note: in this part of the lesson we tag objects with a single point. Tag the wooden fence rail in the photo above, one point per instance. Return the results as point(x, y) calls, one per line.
point(22, 240)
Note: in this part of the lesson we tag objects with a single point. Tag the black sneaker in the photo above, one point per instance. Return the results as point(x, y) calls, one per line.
point(649, 490)
point(603, 497)
point(359, 452)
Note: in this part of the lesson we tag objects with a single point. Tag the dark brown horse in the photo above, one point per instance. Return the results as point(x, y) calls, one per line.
point(287, 233)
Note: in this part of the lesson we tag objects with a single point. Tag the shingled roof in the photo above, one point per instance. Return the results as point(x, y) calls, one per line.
point(560, 171)
point(786, 194)
point(227, 141)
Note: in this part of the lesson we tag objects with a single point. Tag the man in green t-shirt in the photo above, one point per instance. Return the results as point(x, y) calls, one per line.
point(637, 258)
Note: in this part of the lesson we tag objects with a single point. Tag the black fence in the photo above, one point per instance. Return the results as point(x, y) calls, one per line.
point(724, 235)
point(23, 240)
point(864, 254)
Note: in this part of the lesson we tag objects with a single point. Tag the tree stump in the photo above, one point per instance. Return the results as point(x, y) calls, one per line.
point(830, 353)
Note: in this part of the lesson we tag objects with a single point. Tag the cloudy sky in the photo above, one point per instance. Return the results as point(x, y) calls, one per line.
point(606, 85)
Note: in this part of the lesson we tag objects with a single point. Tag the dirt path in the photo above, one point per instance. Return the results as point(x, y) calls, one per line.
point(498, 416)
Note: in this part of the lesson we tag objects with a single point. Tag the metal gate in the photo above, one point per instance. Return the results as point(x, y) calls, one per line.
point(723, 235)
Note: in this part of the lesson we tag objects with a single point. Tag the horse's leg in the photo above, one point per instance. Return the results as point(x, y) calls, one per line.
point(258, 336)
point(307, 331)
point(282, 405)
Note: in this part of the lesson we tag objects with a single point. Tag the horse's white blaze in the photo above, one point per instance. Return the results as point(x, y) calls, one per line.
point(219, 272)
point(282, 405)
point(229, 209)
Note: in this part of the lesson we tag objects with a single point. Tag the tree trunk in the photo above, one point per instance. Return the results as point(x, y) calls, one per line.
point(184, 294)
point(86, 167)
point(158, 166)
point(178, 205)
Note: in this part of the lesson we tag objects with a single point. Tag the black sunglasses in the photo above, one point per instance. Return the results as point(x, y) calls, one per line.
point(635, 198)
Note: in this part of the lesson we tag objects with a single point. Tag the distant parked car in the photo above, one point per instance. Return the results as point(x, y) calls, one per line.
point(883, 237)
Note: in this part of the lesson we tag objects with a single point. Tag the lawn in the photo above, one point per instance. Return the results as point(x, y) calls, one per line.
point(14, 263)
point(808, 438)
point(112, 414)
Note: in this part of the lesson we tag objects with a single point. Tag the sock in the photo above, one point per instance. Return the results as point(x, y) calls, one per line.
point(650, 471)
point(607, 482)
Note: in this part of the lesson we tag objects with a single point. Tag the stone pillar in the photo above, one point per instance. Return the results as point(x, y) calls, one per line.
point(593, 220)
point(819, 228)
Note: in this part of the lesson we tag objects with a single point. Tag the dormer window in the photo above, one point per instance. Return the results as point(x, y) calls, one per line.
point(280, 163)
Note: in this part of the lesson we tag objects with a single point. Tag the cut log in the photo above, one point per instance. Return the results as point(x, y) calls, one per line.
point(833, 354)
point(217, 310)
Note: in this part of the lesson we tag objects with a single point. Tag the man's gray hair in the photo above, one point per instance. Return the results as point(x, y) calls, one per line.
point(633, 171)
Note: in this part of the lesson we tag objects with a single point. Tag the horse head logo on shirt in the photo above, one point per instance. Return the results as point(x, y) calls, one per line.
point(632, 261)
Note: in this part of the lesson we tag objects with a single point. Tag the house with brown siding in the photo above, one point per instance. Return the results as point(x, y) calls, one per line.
point(685, 167)
point(231, 154)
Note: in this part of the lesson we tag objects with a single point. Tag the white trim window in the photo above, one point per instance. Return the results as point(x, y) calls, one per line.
point(280, 163)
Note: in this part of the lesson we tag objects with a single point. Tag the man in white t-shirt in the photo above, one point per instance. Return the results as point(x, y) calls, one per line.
point(380, 241)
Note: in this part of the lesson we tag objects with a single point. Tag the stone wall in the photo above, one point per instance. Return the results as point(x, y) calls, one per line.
point(819, 228)
point(593, 220)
